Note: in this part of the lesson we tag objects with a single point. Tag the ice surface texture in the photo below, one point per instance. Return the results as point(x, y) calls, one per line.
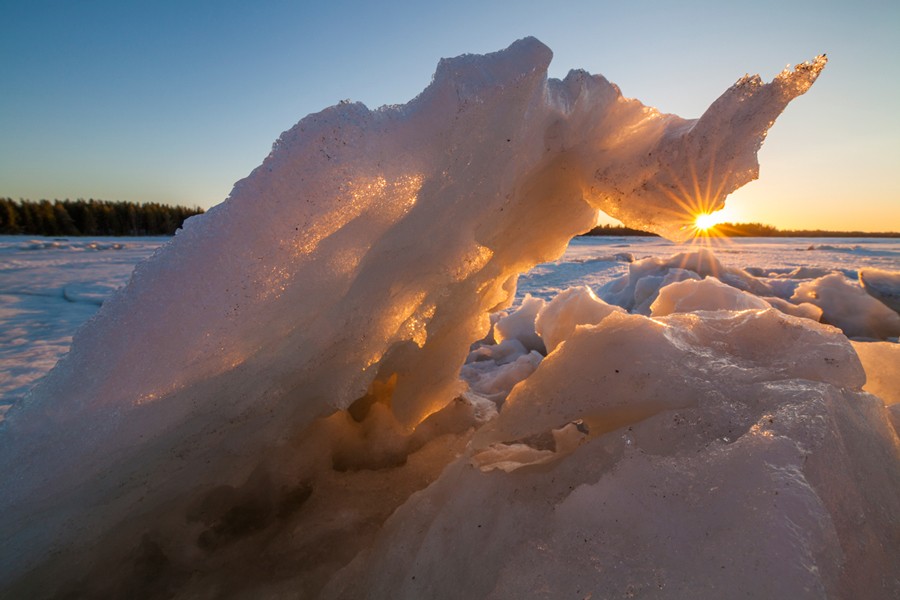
point(185, 445)
point(700, 455)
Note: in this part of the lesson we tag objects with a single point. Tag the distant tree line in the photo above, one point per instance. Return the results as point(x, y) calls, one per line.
point(760, 230)
point(617, 230)
point(749, 230)
point(90, 217)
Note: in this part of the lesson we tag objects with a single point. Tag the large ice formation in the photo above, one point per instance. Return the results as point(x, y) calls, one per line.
point(254, 414)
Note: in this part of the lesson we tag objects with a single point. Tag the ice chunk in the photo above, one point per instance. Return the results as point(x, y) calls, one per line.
point(631, 354)
point(637, 290)
point(804, 272)
point(493, 375)
point(882, 285)
point(622, 369)
point(505, 352)
point(804, 309)
point(706, 294)
point(519, 325)
point(534, 451)
point(748, 426)
point(847, 306)
point(535, 328)
point(569, 309)
point(783, 288)
point(647, 288)
point(90, 293)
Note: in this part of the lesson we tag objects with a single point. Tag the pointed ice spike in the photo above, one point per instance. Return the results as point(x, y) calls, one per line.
point(696, 164)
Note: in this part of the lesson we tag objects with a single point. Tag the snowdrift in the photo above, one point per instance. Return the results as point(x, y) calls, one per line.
point(273, 406)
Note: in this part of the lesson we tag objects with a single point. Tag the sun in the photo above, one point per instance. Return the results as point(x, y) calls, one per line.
point(705, 222)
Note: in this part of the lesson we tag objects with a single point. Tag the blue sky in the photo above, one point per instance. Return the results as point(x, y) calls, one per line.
point(175, 101)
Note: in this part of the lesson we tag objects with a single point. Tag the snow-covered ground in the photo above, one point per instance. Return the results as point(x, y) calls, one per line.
point(48, 288)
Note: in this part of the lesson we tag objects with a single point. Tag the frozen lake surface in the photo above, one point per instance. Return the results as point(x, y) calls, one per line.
point(48, 288)
point(594, 261)
point(51, 286)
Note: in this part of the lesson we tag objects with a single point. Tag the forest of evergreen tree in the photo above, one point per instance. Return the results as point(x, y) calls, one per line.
point(748, 230)
point(90, 217)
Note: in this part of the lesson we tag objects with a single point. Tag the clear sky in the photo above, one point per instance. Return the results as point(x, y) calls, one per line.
point(174, 101)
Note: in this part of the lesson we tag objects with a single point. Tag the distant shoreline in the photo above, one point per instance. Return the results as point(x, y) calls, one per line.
point(86, 218)
point(749, 230)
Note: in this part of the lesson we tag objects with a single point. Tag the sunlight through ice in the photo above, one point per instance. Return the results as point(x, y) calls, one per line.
point(706, 221)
